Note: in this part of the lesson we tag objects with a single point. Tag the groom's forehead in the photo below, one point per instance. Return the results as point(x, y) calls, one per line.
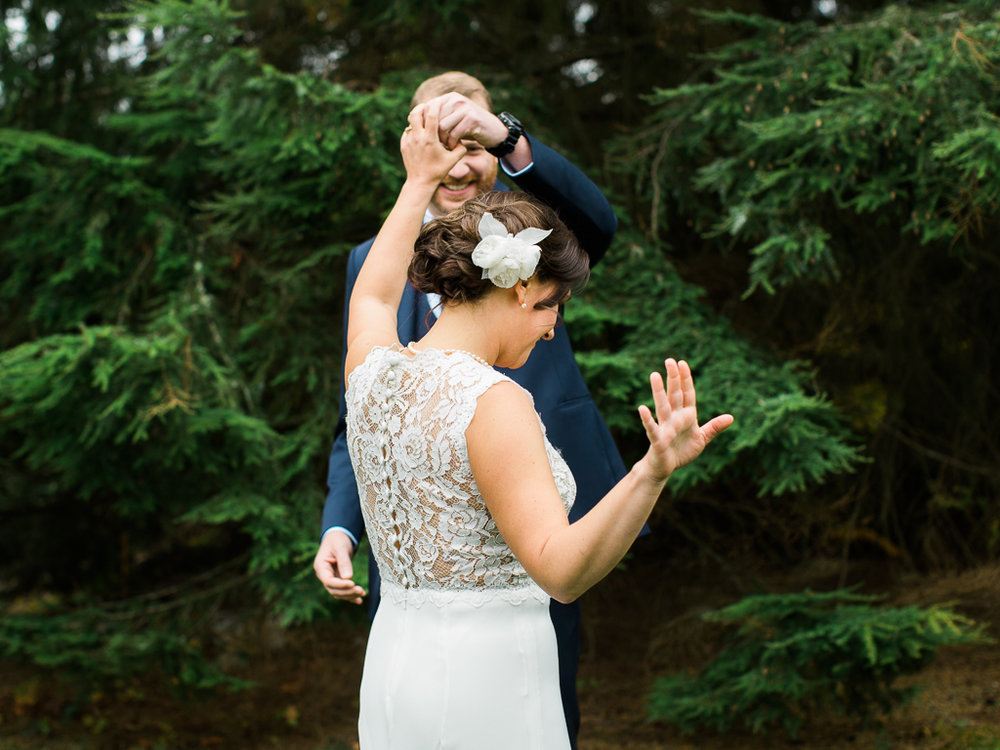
point(478, 98)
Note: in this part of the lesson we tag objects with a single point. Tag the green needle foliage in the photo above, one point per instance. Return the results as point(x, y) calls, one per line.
point(797, 656)
point(93, 642)
point(638, 310)
point(844, 178)
point(807, 127)
point(171, 336)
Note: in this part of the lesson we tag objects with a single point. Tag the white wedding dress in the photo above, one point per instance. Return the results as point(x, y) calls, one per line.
point(462, 653)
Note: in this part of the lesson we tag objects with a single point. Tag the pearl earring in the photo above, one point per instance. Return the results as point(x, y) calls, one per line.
point(524, 305)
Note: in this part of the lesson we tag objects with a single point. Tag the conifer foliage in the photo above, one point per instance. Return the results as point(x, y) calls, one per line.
point(171, 336)
point(850, 171)
point(794, 657)
point(787, 435)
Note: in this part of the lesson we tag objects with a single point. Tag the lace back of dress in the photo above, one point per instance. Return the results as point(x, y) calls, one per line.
point(427, 523)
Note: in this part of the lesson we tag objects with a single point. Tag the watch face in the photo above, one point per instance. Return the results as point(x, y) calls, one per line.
point(510, 121)
point(514, 132)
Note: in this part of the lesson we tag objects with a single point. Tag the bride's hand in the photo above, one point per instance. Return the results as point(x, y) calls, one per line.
point(426, 158)
point(675, 437)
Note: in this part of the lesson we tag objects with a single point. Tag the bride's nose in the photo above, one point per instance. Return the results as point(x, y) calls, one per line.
point(549, 335)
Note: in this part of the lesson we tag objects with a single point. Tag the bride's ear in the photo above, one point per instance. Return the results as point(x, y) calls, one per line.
point(521, 287)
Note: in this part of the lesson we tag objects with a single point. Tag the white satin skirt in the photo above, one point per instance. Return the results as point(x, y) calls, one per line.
point(464, 672)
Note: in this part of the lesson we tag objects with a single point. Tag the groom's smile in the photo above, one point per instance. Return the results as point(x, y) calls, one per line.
point(474, 174)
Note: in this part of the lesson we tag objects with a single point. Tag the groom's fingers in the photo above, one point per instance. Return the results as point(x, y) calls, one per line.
point(348, 592)
point(461, 118)
point(450, 128)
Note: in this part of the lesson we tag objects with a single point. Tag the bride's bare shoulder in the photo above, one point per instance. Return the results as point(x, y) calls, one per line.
point(504, 405)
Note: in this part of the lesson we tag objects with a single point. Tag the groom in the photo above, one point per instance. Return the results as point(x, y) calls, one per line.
point(571, 419)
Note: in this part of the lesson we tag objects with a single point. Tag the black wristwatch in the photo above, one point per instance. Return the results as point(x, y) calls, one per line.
point(514, 132)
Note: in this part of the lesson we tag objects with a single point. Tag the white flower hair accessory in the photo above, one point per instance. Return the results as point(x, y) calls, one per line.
point(506, 257)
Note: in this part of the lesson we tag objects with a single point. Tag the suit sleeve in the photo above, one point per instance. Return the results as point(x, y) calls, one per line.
point(343, 508)
point(577, 200)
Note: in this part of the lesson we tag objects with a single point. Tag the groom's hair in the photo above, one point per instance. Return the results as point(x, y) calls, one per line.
point(456, 81)
point(442, 259)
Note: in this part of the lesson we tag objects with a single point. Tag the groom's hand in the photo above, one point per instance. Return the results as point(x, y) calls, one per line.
point(334, 568)
point(461, 118)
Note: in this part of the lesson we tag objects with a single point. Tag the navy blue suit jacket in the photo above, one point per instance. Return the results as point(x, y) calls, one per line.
point(572, 422)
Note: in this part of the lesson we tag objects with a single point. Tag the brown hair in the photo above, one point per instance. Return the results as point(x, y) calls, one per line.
point(445, 83)
point(442, 260)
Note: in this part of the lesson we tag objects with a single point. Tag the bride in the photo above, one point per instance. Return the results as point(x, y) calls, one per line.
point(465, 501)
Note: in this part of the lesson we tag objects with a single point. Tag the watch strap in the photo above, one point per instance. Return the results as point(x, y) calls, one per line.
point(514, 132)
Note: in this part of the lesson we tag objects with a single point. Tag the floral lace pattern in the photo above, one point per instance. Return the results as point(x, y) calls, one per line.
point(429, 528)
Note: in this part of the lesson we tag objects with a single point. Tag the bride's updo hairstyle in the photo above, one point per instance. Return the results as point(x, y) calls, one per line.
point(442, 259)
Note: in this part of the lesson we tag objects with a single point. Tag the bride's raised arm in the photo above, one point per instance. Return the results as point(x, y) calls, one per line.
point(379, 287)
point(509, 463)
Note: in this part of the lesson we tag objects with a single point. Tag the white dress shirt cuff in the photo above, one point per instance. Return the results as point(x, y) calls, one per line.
point(354, 539)
point(514, 174)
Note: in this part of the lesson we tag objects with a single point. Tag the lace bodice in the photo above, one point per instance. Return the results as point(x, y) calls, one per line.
point(429, 528)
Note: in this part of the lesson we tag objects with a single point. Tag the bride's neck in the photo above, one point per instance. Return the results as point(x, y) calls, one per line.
point(471, 328)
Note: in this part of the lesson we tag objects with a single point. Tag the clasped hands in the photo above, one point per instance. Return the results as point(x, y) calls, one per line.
point(446, 128)
point(462, 119)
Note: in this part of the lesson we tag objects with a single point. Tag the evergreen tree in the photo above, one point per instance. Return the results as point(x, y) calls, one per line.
point(172, 328)
point(849, 175)
point(791, 658)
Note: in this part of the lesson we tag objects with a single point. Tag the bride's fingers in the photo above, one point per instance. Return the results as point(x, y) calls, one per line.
point(686, 384)
point(660, 396)
point(433, 116)
point(647, 422)
point(712, 428)
point(675, 396)
point(431, 112)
